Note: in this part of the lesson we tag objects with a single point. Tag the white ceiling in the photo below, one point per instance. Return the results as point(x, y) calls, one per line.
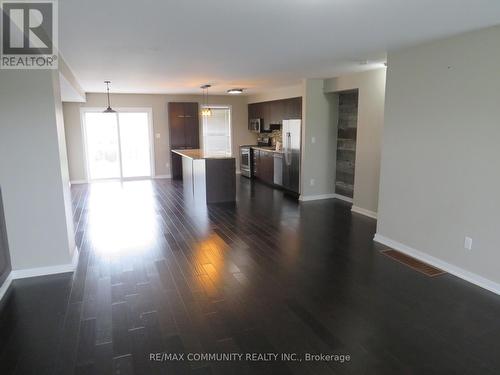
point(167, 46)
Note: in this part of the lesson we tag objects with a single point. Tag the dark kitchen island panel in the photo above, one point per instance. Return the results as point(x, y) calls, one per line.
point(207, 177)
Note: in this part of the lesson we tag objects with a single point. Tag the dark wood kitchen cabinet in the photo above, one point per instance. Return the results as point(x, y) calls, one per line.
point(254, 111)
point(256, 163)
point(263, 165)
point(184, 125)
point(293, 108)
point(184, 130)
point(275, 111)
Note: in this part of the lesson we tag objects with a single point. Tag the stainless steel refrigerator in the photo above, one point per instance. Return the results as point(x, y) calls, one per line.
point(291, 133)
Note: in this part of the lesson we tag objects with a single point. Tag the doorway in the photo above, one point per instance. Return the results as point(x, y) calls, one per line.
point(118, 145)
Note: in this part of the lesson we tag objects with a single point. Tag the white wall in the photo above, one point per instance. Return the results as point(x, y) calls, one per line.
point(440, 178)
point(371, 89)
point(33, 172)
point(319, 140)
point(240, 133)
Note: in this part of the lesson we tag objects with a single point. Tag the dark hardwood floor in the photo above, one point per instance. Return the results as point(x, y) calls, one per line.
point(159, 273)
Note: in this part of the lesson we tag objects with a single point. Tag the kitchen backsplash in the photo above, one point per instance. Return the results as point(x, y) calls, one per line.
point(275, 136)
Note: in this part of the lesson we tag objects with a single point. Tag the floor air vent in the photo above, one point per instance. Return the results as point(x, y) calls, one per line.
point(416, 264)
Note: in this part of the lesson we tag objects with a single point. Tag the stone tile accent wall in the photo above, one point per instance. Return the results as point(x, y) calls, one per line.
point(346, 143)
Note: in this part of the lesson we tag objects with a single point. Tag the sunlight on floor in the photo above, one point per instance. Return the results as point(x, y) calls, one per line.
point(122, 217)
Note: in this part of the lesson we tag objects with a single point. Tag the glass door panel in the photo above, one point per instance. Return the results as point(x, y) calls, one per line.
point(103, 153)
point(135, 144)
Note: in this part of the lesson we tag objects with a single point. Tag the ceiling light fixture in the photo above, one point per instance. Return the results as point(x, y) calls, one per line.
point(109, 109)
point(205, 110)
point(235, 91)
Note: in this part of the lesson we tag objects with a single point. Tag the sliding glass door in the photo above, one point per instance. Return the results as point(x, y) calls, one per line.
point(118, 145)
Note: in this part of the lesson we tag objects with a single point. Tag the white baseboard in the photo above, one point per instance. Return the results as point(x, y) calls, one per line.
point(343, 198)
point(39, 271)
point(5, 286)
point(78, 182)
point(42, 271)
point(445, 266)
point(159, 176)
point(365, 212)
point(308, 198)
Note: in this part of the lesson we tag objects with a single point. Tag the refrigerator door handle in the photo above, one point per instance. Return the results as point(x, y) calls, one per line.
point(287, 148)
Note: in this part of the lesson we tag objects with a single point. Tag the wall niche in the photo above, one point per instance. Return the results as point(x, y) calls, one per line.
point(346, 142)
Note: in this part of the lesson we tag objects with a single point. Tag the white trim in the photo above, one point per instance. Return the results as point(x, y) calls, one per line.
point(84, 142)
point(343, 198)
point(78, 182)
point(308, 198)
point(318, 197)
point(158, 176)
point(5, 286)
point(40, 271)
point(364, 211)
point(445, 266)
point(50, 270)
point(238, 172)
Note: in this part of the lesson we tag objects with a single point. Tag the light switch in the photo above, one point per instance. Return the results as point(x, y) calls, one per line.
point(468, 243)
point(157, 136)
point(313, 139)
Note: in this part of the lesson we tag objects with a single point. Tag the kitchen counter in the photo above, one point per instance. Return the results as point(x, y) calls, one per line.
point(207, 177)
point(198, 154)
point(268, 149)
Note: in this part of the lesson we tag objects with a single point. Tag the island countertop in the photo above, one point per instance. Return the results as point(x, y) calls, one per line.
point(198, 154)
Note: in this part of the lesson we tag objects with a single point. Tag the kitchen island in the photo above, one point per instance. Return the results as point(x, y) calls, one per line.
point(207, 177)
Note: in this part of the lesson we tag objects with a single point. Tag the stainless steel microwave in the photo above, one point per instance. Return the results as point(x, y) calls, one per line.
point(254, 125)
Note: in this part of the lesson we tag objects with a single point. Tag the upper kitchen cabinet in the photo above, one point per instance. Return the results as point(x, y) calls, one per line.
point(274, 112)
point(184, 125)
point(277, 111)
point(253, 111)
point(293, 108)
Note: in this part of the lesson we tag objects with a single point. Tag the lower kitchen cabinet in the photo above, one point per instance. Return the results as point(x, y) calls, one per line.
point(263, 164)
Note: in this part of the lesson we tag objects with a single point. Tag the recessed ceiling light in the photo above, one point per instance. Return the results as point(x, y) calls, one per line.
point(235, 91)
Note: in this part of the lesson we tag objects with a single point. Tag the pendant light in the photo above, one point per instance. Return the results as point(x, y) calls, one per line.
point(109, 109)
point(206, 111)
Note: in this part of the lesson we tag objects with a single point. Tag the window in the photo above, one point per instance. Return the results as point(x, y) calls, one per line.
point(217, 131)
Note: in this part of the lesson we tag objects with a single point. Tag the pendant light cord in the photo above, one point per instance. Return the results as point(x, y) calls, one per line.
point(107, 89)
